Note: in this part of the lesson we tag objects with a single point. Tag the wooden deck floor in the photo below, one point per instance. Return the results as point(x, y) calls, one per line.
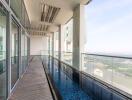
point(33, 85)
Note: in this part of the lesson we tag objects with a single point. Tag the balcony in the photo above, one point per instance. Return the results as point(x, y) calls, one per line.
point(65, 50)
point(47, 77)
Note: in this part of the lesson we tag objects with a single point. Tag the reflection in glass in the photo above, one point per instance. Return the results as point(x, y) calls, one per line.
point(68, 36)
point(2, 55)
point(16, 6)
point(56, 41)
point(50, 45)
point(67, 48)
point(25, 51)
point(122, 74)
point(14, 53)
point(22, 51)
point(111, 70)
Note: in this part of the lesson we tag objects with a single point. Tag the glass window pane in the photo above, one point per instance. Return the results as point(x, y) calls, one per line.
point(25, 51)
point(27, 22)
point(56, 42)
point(68, 42)
point(16, 6)
point(14, 53)
point(23, 14)
point(22, 51)
point(2, 54)
point(50, 44)
point(68, 33)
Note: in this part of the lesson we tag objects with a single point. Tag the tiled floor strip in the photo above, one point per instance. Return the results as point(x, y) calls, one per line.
point(33, 85)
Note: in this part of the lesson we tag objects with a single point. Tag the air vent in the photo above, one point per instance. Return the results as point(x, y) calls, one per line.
point(49, 13)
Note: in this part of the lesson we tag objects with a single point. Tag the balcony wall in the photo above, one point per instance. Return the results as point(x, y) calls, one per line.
point(38, 43)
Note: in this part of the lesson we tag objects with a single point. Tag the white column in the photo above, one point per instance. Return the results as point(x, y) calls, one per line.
point(78, 35)
point(8, 54)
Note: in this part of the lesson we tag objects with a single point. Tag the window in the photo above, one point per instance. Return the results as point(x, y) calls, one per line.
point(14, 53)
point(3, 71)
point(16, 6)
point(68, 31)
point(56, 41)
point(66, 54)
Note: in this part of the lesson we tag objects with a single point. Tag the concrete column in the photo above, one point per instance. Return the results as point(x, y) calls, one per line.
point(78, 35)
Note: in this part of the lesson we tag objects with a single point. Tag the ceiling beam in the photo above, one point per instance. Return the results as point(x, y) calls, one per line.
point(45, 23)
point(35, 30)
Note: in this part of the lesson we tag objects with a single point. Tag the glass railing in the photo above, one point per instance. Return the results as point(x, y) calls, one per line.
point(66, 57)
point(2, 75)
point(56, 54)
point(44, 52)
point(114, 70)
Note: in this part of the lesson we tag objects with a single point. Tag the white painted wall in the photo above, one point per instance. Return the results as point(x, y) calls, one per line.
point(38, 43)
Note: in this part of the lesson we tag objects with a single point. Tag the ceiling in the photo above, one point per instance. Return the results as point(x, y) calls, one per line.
point(46, 15)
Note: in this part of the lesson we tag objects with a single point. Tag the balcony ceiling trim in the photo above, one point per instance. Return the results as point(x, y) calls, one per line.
point(38, 31)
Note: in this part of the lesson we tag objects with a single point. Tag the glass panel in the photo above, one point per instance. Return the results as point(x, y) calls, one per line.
point(122, 74)
point(27, 22)
point(109, 33)
point(56, 41)
point(68, 34)
point(22, 50)
point(25, 51)
point(20, 11)
point(50, 45)
point(16, 6)
point(28, 49)
point(23, 14)
point(2, 54)
point(87, 63)
point(113, 70)
point(67, 39)
point(14, 53)
point(66, 57)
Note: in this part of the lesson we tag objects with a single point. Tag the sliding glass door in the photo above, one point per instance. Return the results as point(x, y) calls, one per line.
point(3, 71)
point(14, 53)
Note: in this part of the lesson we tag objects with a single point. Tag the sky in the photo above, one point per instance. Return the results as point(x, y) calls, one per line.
point(109, 27)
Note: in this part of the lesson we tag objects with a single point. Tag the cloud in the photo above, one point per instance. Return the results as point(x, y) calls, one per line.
point(106, 5)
